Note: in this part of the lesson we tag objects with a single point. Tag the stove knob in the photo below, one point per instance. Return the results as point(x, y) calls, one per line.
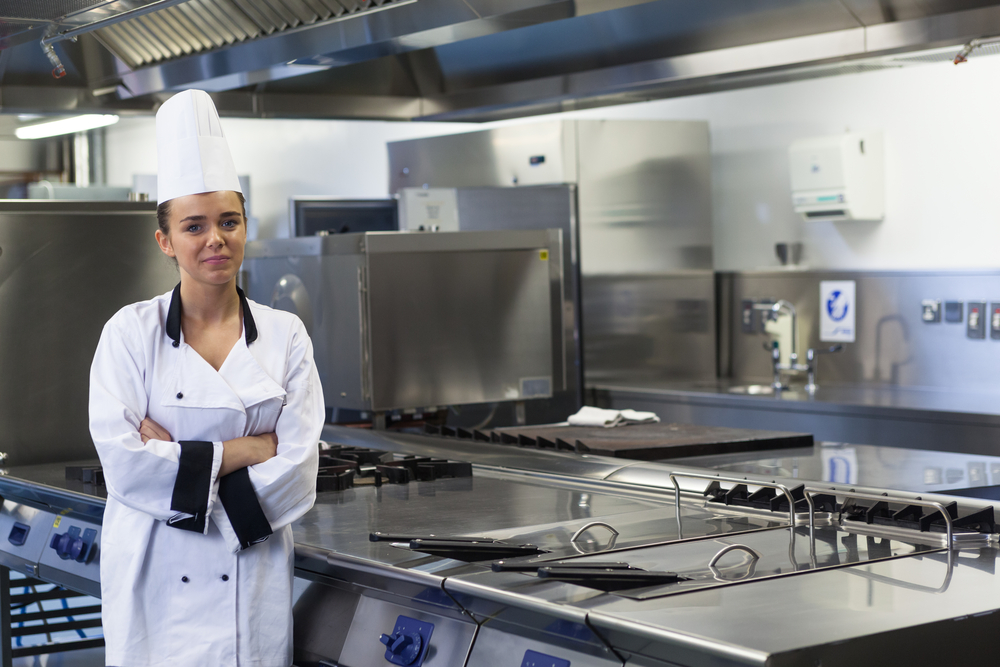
point(404, 647)
point(62, 544)
point(78, 549)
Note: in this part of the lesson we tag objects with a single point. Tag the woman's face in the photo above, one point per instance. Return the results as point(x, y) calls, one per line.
point(207, 236)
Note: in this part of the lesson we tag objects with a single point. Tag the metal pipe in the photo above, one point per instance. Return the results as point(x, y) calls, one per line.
point(111, 20)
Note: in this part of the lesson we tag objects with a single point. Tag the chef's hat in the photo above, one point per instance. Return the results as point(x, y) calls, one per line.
point(191, 151)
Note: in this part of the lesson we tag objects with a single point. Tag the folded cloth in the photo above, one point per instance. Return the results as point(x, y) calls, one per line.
point(591, 416)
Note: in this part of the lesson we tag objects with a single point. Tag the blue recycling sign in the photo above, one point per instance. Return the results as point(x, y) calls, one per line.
point(837, 305)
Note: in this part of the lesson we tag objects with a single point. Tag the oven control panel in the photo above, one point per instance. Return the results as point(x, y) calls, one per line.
point(50, 546)
point(71, 556)
point(536, 659)
point(409, 641)
point(23, 534)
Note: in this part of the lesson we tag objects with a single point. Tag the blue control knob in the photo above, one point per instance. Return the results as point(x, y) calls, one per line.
point(62, 544)
point(73, 546)
point(78, 549)
point(405, 647)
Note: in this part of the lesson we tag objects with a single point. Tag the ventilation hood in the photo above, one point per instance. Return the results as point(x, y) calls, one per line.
point(471, 60)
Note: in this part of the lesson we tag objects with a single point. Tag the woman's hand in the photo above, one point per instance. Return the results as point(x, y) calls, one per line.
point(150, 430)
point(247, 451)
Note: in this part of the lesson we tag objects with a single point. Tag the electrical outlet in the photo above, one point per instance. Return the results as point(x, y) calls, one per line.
point(995, 320)
point(953, 312)
point(975, 327)
point(930, 311)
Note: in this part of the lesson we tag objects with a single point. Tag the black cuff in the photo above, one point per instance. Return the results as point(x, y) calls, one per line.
point(243, 508)
point(192, 486)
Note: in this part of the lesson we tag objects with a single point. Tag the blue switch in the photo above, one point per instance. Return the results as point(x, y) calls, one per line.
point(536, 659)
point(18, 534)
point(71, 545)
point(408, 643)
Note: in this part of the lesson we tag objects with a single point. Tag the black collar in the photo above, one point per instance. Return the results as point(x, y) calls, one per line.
point(174, 317)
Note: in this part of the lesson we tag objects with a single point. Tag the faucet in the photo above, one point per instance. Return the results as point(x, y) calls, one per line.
point(811, 364)
point(773, 309)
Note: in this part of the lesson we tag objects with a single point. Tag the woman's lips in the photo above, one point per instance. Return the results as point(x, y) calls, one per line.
point(217, 259)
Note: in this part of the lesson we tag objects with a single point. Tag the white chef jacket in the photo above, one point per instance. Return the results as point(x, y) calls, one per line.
point(189, 574)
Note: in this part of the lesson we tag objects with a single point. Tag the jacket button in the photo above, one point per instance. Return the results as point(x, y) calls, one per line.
point(185, 579)
point(225, 577)
point(180, 395)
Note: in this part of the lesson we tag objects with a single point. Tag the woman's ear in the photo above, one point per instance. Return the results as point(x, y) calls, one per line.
point(164, 242)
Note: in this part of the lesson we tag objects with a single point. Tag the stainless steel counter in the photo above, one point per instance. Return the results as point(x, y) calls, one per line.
point(845, 593)
point(918, 418)
point(920, 471)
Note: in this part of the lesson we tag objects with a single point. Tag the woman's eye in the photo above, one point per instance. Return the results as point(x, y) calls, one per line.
point(230, 223)
point(192, 228)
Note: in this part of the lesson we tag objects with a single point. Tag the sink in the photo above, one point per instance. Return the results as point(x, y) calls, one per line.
point(753, 390)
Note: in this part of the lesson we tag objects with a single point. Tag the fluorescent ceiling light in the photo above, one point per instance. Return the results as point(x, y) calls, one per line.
point(65, 126)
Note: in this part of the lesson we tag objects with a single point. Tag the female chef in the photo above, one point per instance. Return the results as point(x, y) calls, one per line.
point(206, 410)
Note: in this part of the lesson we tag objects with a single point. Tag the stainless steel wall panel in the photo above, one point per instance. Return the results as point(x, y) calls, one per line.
point(646, 327)
point(894, 346)
point(493, 647)
point(17, 155)
point(66, 268)
point(498, 157)
point(645, 196)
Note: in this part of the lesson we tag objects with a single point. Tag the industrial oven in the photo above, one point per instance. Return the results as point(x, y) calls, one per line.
point(416, 321)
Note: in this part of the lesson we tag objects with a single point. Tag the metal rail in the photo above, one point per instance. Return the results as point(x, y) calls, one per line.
point(111, 20)
point(809, 491)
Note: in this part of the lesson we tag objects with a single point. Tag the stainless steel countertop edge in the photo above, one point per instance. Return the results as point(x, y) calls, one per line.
point(720, 398)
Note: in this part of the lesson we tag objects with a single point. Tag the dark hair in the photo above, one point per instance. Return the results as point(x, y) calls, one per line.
point(163, 213)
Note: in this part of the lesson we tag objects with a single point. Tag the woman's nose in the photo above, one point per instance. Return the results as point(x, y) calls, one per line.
point(215, 237)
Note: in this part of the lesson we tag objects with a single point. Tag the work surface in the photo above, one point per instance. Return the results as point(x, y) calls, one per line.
point(651, 442)
point(827, 396)
point(841, 587)
point(912, 418)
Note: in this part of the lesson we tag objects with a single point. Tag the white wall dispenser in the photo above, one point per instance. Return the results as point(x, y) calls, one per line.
point(839, 177)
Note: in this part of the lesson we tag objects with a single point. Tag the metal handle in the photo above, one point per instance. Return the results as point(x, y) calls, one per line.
point(736, 480)
point(734, 547)
point(809, 491)
point(593, 524)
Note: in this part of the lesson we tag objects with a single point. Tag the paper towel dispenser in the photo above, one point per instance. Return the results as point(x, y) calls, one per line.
point(838, 177)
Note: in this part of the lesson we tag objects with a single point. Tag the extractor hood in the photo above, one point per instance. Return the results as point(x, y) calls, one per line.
point(453, 59)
